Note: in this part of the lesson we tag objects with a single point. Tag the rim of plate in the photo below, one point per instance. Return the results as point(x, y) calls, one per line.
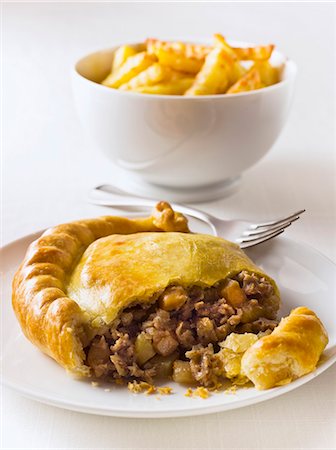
point(185, 412)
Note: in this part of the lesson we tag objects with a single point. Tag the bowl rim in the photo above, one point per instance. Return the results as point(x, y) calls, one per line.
point(288, 63)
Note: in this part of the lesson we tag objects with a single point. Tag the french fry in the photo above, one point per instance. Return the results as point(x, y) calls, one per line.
point(173, 87)
point(152, 45)
point(218, 73)
point(259, 53)
point(154, 74)
point(178, 56)
point(178, 61)
point(220, 42)
point(268, 74)
point(121, 55)
point(131, 67)
point(214, 75)
point(248, 82)
point(176, 68)
point(198, 51)
point(237, 70)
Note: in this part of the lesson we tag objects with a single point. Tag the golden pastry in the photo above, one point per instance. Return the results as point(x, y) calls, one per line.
point(123, 299)
point(289, 352)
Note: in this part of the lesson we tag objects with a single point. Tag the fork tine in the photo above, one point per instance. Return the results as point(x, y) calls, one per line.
point(260, 240)
point(246, 240)
point(279, 221)
point(259, 232)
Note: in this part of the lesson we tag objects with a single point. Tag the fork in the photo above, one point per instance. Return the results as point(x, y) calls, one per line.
point(242, 232)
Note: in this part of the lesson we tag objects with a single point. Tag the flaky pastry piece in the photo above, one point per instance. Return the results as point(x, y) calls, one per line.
point(48, 317)
point(289, 352)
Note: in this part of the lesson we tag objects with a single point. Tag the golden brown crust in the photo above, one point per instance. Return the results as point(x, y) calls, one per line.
point(289, 352)
point(48, 317)
point(119, 271)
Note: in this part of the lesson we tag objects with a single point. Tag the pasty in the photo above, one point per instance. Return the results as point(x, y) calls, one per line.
point(122, 299)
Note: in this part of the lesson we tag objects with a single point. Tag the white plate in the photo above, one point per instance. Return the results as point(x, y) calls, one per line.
point(305, 277)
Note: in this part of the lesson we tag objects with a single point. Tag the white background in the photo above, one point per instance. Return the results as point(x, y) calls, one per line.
point(48, 167)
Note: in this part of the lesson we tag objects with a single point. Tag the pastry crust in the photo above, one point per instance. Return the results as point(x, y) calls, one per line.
point(289, 352)
point(119, 271)
point(48, 317)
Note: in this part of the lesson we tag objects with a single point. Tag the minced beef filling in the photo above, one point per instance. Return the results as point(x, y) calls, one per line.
point(146, 340)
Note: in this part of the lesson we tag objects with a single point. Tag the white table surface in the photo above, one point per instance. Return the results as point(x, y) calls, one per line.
point(48, 167)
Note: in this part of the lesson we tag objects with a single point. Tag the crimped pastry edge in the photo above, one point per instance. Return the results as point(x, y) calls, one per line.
point(48, 317)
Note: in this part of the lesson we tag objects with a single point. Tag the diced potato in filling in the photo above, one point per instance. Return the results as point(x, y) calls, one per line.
point(144, 349)
point(233, 293)
point(179, 333)
point(182, 373)
point(173, 298)
point(163, 364)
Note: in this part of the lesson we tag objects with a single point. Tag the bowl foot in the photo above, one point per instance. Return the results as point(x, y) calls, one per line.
point(140, 188)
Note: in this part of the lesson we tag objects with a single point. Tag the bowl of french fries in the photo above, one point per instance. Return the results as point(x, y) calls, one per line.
point(184, 115)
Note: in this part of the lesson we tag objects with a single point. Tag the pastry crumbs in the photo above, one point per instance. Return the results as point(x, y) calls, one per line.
point(231, 390)
point(138, 387)
point(141, 386)
point(151, 389)
point(94, 384)
point(134, 387)
point(201, 392)
point(189, 393)
point(165, 390)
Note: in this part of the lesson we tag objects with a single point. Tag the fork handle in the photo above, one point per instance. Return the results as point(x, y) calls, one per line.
point(147, 204)
point(108, 189)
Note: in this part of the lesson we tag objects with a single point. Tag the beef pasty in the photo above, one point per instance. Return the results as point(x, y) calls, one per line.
point(122, 299)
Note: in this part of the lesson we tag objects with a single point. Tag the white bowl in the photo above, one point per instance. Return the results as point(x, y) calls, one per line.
point(181, 142)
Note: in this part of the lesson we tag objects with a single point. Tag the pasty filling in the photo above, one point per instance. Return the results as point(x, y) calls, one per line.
point(179, 334)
